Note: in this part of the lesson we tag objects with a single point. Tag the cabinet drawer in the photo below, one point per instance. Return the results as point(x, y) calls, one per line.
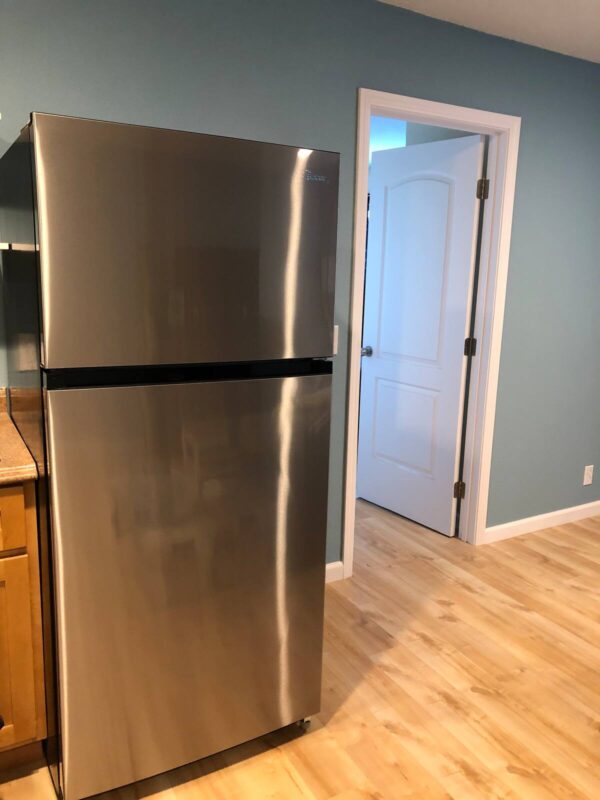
point(17, 664)
point(12, 518)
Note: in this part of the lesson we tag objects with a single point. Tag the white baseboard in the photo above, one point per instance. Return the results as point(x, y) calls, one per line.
point(334, 571)
point(538, 523)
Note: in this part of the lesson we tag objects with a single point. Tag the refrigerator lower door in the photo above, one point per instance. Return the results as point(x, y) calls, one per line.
point(189, 545)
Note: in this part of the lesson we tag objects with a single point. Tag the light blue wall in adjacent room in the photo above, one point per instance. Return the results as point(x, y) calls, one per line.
point(386, 133)
point(288, 71)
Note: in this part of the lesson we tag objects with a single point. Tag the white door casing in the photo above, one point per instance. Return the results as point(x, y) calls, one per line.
point(504, 133)
point(421, 252)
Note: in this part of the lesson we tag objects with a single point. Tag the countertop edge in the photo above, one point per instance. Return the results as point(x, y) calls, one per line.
point(16, 462)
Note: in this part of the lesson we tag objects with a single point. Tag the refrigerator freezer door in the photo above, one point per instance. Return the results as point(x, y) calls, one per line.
point(163, 247)
point(189, 533)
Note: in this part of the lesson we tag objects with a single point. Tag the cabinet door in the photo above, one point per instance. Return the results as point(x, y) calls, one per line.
point(17, 695)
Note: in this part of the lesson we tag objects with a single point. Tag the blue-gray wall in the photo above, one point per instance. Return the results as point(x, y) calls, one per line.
point(288, 71)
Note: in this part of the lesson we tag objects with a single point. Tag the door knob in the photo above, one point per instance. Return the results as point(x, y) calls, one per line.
point(366, 351)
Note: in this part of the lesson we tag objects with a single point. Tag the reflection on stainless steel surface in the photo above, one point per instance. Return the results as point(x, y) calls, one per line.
point(291, 268)
point(285, 424)
point(162, 247)
point(189, 528)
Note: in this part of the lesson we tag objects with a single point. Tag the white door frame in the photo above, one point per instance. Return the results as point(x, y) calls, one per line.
point(504, 133)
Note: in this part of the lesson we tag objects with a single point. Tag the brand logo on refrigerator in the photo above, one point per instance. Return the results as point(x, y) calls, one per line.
point(312, 177)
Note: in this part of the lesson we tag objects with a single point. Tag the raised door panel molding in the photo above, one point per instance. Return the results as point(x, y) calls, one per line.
point(12, 518)
point(413, 268)
point(17, 683)
point(29, 494)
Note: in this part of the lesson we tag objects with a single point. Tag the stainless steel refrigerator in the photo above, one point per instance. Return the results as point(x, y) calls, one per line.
point(169, 304)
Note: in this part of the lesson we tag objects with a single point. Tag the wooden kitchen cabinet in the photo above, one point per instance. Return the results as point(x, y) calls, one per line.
point(22, 701)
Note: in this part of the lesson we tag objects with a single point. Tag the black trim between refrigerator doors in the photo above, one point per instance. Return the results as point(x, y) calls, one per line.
point(88, 377)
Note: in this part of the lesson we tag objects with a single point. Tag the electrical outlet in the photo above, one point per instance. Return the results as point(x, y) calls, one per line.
point(588, 474)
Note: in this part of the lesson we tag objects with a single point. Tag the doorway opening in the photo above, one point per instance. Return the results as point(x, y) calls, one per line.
point(434, 191)
point(423, 247)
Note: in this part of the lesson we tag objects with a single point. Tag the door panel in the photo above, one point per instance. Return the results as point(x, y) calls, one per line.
point(164, 247)
point(414, 268)
point(17, 685)
point(422, 234)
point(12, 518)
point(405, 424)
point(189, 524)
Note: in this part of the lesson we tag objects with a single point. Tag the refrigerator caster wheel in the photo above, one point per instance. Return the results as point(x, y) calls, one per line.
point(304, 724)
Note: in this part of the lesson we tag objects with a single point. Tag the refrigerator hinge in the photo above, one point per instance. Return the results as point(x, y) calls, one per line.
point(483, 188)
point(470, 346)
point(459, 490)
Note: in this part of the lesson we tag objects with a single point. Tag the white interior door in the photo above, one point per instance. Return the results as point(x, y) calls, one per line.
point(421, 252)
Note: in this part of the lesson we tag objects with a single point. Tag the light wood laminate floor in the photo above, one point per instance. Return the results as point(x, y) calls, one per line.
point(450, 672)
